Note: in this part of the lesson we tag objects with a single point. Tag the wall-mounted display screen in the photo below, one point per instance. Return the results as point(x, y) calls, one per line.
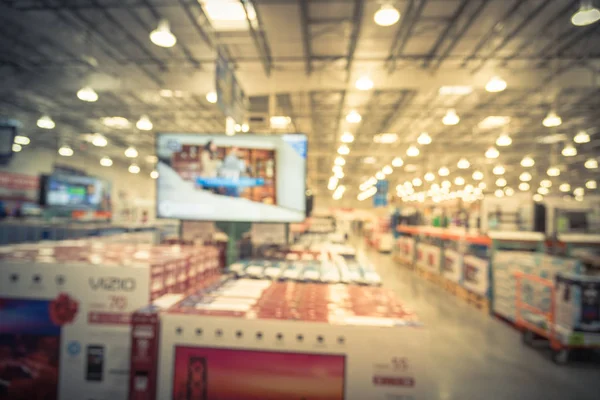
point(206, 373)
point(255, 178)
point(75, 192)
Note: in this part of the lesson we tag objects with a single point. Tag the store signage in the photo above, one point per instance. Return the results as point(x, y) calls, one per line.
point(231, 98)
point(380, 199)
point(19, 187)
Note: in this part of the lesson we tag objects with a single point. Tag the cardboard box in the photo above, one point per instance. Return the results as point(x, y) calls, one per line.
point(311, 341)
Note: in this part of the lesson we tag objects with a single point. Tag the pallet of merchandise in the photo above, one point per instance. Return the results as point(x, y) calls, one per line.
point(428, 275)
point(478, 301)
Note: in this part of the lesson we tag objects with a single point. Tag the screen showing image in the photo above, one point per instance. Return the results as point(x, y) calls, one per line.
point(76, 192)
point(254, 178)
point(29, 350)
point(208, 373)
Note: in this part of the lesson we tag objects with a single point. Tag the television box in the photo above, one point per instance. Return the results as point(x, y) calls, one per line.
point(65, 329)
point(278, 340)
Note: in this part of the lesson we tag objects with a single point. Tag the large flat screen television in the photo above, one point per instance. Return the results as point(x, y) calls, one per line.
point(75, 192)
point(212, 177)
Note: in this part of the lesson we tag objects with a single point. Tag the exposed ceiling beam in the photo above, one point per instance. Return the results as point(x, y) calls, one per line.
point(407, 24)
point(450, 26)
point(258, 35)
point(306, 39)
point(357, 17)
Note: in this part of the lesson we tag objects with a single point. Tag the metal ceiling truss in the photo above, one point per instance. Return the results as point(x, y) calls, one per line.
point(306, 39)
point(258, 35)
point(357, 16)
point(413, 12)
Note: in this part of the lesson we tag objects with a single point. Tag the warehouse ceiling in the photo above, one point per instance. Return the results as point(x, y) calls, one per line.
point(302, 58)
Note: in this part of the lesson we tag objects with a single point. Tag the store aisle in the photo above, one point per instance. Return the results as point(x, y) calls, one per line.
point(474, 356)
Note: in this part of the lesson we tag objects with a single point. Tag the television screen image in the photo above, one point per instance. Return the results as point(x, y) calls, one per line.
point(29, 350)
point(256, 178)
point(233, 374)
point(75, 192)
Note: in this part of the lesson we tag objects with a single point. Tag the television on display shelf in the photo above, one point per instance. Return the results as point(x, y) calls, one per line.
point(74, 192)
point(246, 177)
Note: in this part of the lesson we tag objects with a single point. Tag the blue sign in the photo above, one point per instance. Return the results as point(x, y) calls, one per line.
point(225, 182)
point(381, 197)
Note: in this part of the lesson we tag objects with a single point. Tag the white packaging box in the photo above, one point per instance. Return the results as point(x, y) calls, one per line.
point(433, 258)
point(209, 354)
point(421, 255)
point(476, 274)
point(452, 268)
point(71, 324)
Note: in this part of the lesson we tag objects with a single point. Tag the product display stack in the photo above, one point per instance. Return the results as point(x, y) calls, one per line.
point(65, 312)
point(278, 340)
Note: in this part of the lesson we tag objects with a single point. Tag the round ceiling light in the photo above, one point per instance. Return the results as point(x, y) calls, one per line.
point(397, 162)
point(565, 187)
point(380, 175)
point(353, 117)
point(553, 171)
point(501, 182)
point(387, 15)
point(546, 183)
point(463, 163)
point(538, 197)
point(586, 15)
point(154, 174)
point(412, 151)
point(134, 169)
point(509, 191)
point(144, 123)
point(162, 35)
point(499, 193)
point(492, 152)
point(387, 170)
point(343, 150)
point(591, 184)
point(99, 140)
point(527, 162)
point(495, 85)
point(131, 152)
point(424, 139)
point(444, 171)
point(340, 161)
point(417, 182)
point(578, 191)
point(65, 151)
point(106, 162)
point(543, 190)
point(552, 120)
point(45, 122)
point(525, 177)
point(364, 83)
point(477, 175)
point(22, 140)
point(87, 94)
point(524, 186)
point(211, 97)
point(581, 137)
point(347, 137)
point(504, 140)
point(451, 118)
point(459, 181)
point(430, 177)
point(16, 147)
point(591, 163)
point(499, 170)
point(569, 151)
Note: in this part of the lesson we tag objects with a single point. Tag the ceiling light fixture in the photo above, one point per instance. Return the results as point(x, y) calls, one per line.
point(339, 192)
point(591, 184)
point(446, 184)
point(134, 169)
point(410, 168)
point(499, 193)
point(477, 175)
point(369, 160)
point(337, 168)
point(166, 93)
point(451, 118)
point(569, 150)
point(578, 191)
point(106, 162)
point(463, 163)
point(333, 181)
point(581, 137)
point(131, 152)
point(591, 163)
point(65, 151)
point(493, 121)
point(546, 183)
point(387, 170)
point(237, 127)
point(552, 120)
point(280, 121)
point(347, 137)
point(144, 123)
point(482, 185)
point(151, 159)
point(87, 94)
point(459, 181)
point(211, 97)
point(417, 182)
point(424, 139)
point(154, 174)
point(45, 122)
point(492, 153)
point(538, 197)
point(412, 151)
point(245, 128)
point(385, 138)
point(455, 90)
point(162, 35)
point(397, 162)
point(364, 83)
point(340, 161)
point(367, 193)
point(116, 122)
point(501, 182)
point(586, 15)
point(22, 140)
point(99, 140)
point(525, 177)
point(495, 85)
point(524, 186)
point(343, 150)
point(387, 15)
point(430, 177)
point(499, 170)
point(553, 171)
point(339, 174)
point(443, 171)
point(16, 147)
point(527, 162)
point(565, 187)
point(380, 176)
point(504, 140)
point(509, 191)
point(353, 117)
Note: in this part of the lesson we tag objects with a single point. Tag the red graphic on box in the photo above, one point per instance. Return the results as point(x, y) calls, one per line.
point(63, 309)
point(227, 374)
point(405, 381)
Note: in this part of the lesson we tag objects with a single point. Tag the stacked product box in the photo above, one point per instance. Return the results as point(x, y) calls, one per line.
point(577, 309)
point(507, 263)
point(429, 256)
point(452, 263)
point(476, 274)
point(65, 309)
point(262, 339)
point(405, 246)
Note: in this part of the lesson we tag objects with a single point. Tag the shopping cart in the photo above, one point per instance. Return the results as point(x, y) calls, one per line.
point(544, 328)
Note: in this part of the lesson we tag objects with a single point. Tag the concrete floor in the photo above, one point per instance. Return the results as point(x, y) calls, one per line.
point(475, 356)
